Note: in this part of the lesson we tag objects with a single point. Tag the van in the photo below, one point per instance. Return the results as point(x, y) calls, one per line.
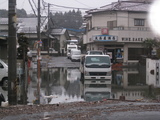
point(3, 74)
point(75, 55)
point(69, 48)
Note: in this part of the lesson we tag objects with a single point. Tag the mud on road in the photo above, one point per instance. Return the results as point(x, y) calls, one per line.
point(101, 110)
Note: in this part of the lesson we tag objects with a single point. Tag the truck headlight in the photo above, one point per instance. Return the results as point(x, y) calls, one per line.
point(86, 73)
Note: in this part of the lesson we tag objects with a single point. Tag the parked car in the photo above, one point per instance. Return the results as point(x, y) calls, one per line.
point(3, 74)
point(75, 55)
point(95, 52)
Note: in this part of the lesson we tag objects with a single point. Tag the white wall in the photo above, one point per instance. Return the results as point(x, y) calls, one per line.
point(101, 19)
point(151, 79)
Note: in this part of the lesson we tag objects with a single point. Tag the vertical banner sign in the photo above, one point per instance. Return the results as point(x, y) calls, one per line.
point(157, 73)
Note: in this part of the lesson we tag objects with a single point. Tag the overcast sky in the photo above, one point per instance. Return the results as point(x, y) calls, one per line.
point(68, 3)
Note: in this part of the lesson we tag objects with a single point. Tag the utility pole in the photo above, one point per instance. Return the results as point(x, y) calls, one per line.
point(38, 51)
point(48, 26)
point(12, 53)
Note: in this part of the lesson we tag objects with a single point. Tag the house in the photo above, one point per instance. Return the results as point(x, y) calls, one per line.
point(24, 25)
point(28, 26)
point(119, 30)
point(3, 39)
point(60, 39)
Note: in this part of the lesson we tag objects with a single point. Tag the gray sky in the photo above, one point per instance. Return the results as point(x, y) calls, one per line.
point(69, 3)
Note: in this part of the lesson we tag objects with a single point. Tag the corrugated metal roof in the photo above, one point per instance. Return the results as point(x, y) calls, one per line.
point(26, 25)
point(4, 21)
point(124, 6)
point(58, 31)
point(29, 25)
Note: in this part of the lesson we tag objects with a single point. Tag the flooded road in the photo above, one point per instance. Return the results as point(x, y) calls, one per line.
point(63, 84)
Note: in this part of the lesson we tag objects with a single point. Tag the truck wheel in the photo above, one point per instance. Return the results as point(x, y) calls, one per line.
point(5, 83)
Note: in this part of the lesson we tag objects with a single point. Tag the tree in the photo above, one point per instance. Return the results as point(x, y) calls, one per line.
point(21, 13)
point(23, 47)
point(71, 19)
point(150, 44)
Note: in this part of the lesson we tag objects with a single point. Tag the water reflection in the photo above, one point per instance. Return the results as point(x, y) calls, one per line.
point(56, 86)
point(129, 83)
point(97, 90)
point(60, 85)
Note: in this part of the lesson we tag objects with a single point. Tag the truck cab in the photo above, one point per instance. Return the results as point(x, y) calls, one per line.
point(69, 47)
point(95, 67)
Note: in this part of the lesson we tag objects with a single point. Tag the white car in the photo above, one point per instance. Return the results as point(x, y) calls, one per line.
point(3, 74)
point(75, 55)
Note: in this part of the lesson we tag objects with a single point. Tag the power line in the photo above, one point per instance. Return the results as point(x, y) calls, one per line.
point(32, 8)
point(69, 7)
point(82, 3)
point(34, 4)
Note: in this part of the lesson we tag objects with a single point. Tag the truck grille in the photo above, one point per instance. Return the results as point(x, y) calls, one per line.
point(98, 73)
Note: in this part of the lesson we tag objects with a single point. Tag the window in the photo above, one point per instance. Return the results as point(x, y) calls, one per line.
point(134, 53)
point(1, 66)
point(111, 24)
point(139, 22)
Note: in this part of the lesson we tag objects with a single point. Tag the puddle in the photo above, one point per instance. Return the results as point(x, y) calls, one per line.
point(61, 85)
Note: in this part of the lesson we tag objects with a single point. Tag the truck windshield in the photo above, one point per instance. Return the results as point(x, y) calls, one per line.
point(97, 61)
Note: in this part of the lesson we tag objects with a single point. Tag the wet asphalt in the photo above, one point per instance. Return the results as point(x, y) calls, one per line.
point(90, 111)
point(62, 62)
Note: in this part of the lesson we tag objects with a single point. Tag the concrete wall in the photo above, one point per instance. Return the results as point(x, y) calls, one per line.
point(153, 72)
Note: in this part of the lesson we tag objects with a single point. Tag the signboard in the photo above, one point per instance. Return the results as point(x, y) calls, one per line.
point(104, 38)
point(104, 31)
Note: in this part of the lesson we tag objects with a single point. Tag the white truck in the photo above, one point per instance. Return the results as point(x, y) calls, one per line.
point(69, 47)
point(3, 73)
point(95, 67)
point(97, 90)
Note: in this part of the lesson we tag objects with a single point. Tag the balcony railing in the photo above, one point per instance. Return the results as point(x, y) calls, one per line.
point(122, 28)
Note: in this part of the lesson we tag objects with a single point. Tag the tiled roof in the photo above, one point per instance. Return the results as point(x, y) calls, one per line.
point(124, 6)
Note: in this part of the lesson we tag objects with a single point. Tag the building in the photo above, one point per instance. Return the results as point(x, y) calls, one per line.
point(3, 38)
point(60, 37)
point(28, 26)
point(119, 30)
point(24, 25)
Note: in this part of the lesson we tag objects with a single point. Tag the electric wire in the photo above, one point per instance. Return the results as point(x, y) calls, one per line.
point(32, 8)
point(69, 7)
point(82, 3)
point(35, 4)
